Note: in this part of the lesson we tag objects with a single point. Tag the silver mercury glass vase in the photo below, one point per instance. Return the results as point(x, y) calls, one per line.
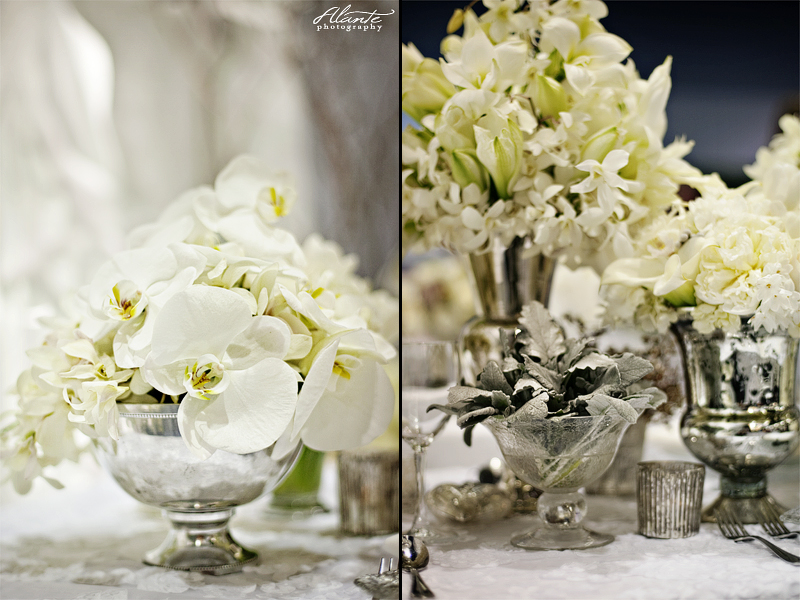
point(742, 417)
point(504, 279)
point(151, 462)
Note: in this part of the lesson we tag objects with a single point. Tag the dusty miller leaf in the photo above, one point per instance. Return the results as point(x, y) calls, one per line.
point(460, 393)
point(526, 383)
point(492, 378)
point(593, 362)
point(575, 351)
point(600, 404)
point(651, 397)
point(545, 339)
point(632, 368)
point(534, 408)
point(547, 377)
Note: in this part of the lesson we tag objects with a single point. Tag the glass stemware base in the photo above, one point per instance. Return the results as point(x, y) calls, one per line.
point(559, 456)
point(561, 527)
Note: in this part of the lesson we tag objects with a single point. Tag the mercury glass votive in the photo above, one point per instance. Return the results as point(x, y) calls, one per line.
point(369, 491)
point(669, 497)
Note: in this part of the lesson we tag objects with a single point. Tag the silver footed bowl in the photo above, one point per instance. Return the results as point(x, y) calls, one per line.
point(151, 462)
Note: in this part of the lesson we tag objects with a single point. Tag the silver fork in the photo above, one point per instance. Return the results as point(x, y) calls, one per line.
point(731, 528)
point(770, 520)
point(383, 567)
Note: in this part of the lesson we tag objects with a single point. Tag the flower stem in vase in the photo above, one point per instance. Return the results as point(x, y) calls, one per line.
point(297, 496)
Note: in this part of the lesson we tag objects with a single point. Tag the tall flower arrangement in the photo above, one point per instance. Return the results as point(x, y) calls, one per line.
point(535, 124)
point(261, 340)
point(729, 255)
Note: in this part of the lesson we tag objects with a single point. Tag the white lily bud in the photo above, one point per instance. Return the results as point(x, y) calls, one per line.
point(467, 169)
point(454, 130)
point(425, 88)
point(548, 96)
point(600, 144)
point(500, 150)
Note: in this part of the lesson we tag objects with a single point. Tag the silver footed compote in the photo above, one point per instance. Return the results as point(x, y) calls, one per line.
point(559, 456)
point(151, 462)
point(741, 417)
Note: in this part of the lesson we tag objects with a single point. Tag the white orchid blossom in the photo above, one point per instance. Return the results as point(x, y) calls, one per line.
point(240, 394)
point(260, 341)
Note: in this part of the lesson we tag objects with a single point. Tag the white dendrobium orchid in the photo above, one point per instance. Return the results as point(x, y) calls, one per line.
point(540, 89)
point(240, 394)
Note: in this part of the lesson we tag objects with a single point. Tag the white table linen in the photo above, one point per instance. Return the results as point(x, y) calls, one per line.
point(484, 565)
point(86, 542)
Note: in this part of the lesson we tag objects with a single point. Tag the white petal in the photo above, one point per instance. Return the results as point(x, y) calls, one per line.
point(580, 78)
point(266, 337)
point(240, 182)
point(253, 412)
point(167, 379)
point(358, 412)
point(314, 385)
point(187, 415)
point(199, 320)
point(615, 160)
point(561, 34)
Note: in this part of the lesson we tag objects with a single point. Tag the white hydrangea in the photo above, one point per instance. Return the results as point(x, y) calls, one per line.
point(543, 131)
point(729, 254)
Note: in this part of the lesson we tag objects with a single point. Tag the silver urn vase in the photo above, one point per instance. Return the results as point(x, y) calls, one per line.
point(742, 417)
point(151, 462)
point(504, 279)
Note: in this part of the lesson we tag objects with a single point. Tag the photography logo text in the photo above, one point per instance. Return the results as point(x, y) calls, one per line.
point(349, 20)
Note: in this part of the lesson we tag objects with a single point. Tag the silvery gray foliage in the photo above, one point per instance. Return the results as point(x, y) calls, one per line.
point(546, 375)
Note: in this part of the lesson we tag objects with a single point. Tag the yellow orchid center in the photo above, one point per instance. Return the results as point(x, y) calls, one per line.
point(340, 370)
point(203, 380)
point(125, 302)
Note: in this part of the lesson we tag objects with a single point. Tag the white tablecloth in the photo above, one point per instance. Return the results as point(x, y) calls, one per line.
point(482, 564)
point(86, 542)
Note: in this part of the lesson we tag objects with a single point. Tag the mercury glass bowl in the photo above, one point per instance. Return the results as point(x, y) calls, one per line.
point(559, 456)
point(151, 462)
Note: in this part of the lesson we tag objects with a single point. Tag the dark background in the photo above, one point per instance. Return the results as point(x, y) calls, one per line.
point(735, 70)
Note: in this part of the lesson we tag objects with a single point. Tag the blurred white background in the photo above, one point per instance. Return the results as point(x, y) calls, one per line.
point(108, 110)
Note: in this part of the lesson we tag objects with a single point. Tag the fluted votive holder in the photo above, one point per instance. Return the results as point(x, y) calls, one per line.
point(669, 497)
point(369, 491)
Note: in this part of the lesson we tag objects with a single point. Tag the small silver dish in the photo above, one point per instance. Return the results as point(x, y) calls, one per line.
point(151, 462)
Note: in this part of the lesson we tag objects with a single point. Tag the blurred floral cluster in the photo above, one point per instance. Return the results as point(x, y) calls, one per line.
point(261, 340)
point(535, 124)
point(437, 298)
point(727, 255)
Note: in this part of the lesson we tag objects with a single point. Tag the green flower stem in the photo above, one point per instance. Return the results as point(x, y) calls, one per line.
point(300, 488)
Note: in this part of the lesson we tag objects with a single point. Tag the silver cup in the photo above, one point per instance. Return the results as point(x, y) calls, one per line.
point(369, 491)
point(669, 496)
point(151, 462)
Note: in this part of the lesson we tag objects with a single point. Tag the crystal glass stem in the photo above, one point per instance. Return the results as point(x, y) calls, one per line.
point(419, 466)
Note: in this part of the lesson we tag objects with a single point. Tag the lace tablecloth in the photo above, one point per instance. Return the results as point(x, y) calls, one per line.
point(482, 564)
point(86, 542)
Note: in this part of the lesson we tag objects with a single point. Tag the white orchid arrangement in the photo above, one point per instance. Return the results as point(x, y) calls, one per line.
point(532, 125)
point(262, 341)
point(729, 255)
